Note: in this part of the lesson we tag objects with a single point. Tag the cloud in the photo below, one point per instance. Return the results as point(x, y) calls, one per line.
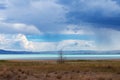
point(27, 45)
point(107, 39)
point(46, 15)
point(112, 8)
point(69, 45)
point(75, 24)
point(94, 12)
point(76, 45)
point(21, 42)
point(51, 16)
point(2, 6)
point(15, 42)
point(77, 30)
point(94, 6)
point(15, 28)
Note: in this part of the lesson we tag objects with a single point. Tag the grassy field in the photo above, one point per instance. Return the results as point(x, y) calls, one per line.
point(51, 70)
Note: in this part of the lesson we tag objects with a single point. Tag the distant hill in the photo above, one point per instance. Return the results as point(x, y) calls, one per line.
point(13, 52)
point(82, 52)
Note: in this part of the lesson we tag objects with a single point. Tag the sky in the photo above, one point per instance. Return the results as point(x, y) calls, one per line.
point(52, 25)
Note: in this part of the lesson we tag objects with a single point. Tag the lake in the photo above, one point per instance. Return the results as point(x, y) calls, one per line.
point(56, 56)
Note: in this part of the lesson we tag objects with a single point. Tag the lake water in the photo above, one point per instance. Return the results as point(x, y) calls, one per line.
point(55, 56)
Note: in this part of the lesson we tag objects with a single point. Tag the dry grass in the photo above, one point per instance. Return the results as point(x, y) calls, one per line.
point(50, 70)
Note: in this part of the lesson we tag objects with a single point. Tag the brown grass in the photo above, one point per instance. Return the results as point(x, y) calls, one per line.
point(50, 70)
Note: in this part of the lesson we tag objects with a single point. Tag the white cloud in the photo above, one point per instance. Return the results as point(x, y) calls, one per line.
point(15, 42)
point(77, 45)
point(65, 45)
point(27, 45)
point(18, 28)
point(44, 46)
point(20, 42)
point(77, 29)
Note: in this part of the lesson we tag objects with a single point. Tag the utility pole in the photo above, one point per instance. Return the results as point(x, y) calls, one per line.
point(61, 59)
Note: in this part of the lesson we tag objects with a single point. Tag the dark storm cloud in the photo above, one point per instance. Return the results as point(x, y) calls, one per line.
point(98, 12)
point(46, 15)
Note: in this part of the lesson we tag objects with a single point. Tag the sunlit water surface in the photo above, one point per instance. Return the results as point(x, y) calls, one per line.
point(55, 56)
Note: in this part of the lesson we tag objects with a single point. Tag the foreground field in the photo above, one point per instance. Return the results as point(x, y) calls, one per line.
point(50, 70)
